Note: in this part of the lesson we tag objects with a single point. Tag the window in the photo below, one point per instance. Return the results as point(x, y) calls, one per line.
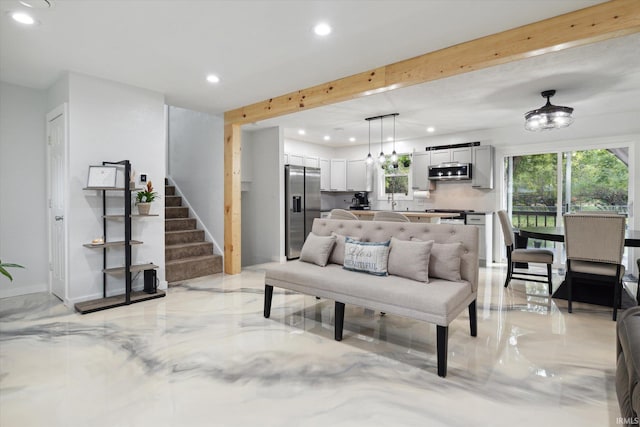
point(395, 182)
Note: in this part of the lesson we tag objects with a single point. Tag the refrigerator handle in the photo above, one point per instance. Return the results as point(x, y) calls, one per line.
point(297, 203)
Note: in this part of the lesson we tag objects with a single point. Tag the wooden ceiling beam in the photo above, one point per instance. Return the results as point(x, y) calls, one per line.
point(596, 23)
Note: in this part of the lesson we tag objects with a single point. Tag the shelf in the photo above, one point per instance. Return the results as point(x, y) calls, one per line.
point(122, 216)
point(112, 188)
point(109, 244)
point(133, 268)
point(115, 301)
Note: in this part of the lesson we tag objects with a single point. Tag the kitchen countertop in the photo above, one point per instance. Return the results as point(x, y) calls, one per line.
point(410, 214)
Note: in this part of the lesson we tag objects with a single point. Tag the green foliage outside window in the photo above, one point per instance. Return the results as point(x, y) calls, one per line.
point(396, 177)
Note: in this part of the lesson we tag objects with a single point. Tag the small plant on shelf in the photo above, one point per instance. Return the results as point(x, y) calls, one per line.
point(144, 199)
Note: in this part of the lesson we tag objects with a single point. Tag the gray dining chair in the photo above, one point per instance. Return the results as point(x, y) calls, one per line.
point(638, 288)
point(390, 216)
point(594, 245)
point(539, 256)
point(341, 214)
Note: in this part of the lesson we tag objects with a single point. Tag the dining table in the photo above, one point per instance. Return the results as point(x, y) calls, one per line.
point(591, 292)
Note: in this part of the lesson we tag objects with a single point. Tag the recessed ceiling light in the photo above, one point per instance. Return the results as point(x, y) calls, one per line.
point(322, 29)
point(301, 132)
point(23, 18)
point(212, 78)
point(352, 139)
point(431, 129)
point(326, 138)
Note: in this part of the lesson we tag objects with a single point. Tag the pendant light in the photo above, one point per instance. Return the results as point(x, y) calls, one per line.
point(548, 116)
point(381, 156)
point(369, 156)
point(394, 155)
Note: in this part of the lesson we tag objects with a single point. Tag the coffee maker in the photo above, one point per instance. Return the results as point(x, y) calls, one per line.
point(360, 201)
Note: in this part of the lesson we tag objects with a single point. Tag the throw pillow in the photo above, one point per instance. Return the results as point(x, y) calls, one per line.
point(410, 259)
point(445, 261)
point(368, 257)
point(337, 255)
point(316, 249)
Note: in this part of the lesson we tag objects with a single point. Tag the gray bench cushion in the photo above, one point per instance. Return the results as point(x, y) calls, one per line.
point(439, 301)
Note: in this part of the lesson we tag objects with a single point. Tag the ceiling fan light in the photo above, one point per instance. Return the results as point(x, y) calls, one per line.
point(549, 116)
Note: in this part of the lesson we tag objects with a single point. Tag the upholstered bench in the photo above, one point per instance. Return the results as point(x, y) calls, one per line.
point(628, 366)
point(451, 263)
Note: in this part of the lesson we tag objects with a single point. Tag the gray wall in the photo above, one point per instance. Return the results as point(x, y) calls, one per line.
point(196, 165)
point(263, 198)
point(23, 195)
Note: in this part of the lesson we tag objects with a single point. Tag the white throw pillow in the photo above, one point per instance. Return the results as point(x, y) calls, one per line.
point(368, 257)
point(316, 249)
point(410, 259)
point(445, 261)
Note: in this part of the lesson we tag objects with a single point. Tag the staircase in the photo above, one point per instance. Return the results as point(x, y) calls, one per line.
point(187, 254)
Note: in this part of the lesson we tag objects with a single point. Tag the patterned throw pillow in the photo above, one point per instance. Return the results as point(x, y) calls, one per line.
point(368, 257)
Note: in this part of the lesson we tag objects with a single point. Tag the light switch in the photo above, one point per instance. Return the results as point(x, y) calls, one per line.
point(143, 177)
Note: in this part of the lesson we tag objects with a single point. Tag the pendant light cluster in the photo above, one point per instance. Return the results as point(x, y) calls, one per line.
point(382, 157)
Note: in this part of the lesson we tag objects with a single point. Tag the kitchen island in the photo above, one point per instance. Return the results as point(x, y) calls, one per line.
point(414, 216)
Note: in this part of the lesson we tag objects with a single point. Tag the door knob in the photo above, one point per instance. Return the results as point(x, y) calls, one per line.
point(59, 218)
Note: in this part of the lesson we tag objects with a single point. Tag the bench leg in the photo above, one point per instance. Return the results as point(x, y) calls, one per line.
point(473, 319)
point(339, 320)
point(443, 335)
point(268, 294)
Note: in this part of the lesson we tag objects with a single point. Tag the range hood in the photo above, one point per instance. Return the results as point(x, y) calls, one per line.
point(450, 172)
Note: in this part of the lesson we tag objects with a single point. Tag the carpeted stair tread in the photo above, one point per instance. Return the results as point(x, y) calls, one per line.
point(187, 250)
point(192, 267)
point(179, 224)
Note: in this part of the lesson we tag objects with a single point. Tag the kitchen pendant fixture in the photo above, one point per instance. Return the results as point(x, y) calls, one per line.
point(549, 116)
point(382, 158)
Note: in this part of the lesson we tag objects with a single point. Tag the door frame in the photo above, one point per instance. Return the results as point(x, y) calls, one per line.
point(61, 110)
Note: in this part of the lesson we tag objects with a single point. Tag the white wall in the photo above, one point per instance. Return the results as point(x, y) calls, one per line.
point(23, 206)
point(263, 200)
point(110, 121)
point(196, 165)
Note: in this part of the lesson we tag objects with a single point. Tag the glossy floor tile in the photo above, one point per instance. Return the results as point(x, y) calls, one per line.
point(205, 356)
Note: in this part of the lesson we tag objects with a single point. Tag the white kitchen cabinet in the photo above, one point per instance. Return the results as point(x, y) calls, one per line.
point(286, 158)
point(325, 175)
point(449, 155)
point(420, 170)
point(357, 175)
point(296, 159)
point(482, 169)
point(338, 175)
point(311, 162)
point(484, 222)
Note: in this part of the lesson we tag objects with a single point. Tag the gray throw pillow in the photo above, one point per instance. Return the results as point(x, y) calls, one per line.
point(337, 255)
point(410, 259)
point(445, 261)
point(368, 257)
point(316, 249)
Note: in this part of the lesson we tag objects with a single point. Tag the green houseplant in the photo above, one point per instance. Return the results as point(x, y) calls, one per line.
point(3, 270)
point(144, 199)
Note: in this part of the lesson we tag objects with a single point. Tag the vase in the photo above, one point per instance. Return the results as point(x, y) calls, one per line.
point(143, 208)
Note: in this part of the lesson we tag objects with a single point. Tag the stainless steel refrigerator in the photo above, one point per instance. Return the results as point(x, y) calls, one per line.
point(302, 205)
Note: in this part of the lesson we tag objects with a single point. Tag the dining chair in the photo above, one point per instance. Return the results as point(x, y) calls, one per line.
point(638, 288)
point(594, 245)
point(341, 214)
point(390, 216)
point(539, 256)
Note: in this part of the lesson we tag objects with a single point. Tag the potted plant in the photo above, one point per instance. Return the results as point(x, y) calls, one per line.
point(144, 199)
point(3, 270)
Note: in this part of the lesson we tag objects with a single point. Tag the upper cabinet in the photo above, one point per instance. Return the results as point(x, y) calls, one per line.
point(338, 175)
point(296, 159)
point(420, 170)
point(359, 177)
point(482, 169)
point(325, 175)
point(448, 155)
point(311, 162)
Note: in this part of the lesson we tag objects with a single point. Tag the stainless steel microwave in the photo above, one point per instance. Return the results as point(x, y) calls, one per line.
point(450, 172)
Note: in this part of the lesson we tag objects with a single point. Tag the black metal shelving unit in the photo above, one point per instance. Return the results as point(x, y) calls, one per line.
point(130, 296)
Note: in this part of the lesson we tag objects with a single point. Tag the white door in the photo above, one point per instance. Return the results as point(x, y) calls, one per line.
point(56, 124)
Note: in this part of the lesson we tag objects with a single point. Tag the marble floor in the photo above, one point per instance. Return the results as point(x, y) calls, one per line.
point(205, 356)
